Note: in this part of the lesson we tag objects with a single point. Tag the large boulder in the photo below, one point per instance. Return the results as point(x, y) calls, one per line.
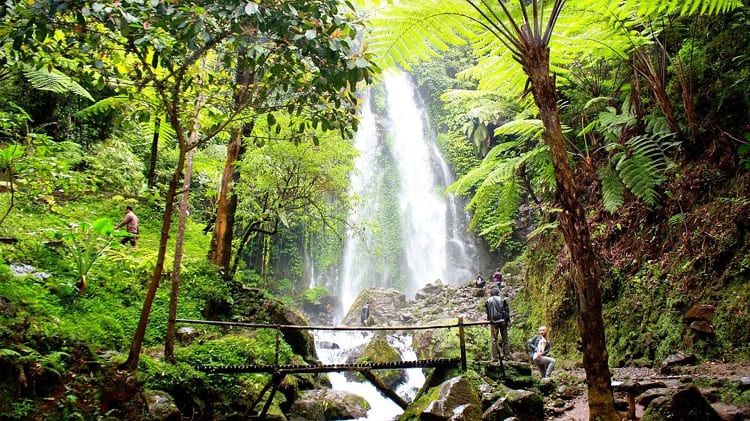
point(685, 404)
point(451, 395)
point(526, 405)
point(678, 359)
point(386, 305)
point(323, 404)
point(498, 411)
point(437, 343)
point(161, 406)
point(380, 351)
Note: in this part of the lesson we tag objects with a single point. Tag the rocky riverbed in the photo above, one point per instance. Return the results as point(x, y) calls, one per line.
point(679, 386)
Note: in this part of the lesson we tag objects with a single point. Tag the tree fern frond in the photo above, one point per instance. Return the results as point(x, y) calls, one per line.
point(612, 189)
point(54, 81)
point(641, 166)
point(594, 103)
point(529, 129)
point(103, 105)
point(676, 219)
point(543, 228)
point(685, 7)
point(407, 34)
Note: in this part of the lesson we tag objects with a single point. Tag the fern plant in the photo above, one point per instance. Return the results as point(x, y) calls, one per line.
point(49, 79)
point(498, 183)
point(638, 164)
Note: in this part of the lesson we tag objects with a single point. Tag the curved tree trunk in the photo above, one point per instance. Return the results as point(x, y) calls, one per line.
point(140, 332)
point(586, 271)
point(177, 265)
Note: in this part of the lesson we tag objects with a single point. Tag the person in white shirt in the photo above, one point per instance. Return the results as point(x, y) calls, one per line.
point(538, 349)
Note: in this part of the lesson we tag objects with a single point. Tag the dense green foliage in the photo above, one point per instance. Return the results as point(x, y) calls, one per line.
point(656, 123)
point(655, 160)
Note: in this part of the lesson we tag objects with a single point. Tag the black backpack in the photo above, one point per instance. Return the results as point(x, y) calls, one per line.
point(497, 309)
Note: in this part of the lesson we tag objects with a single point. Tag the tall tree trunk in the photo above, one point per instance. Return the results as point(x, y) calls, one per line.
point(154, 154)
point(220, 252)
point(140, 332)
point(179, 241)
point(586, 271)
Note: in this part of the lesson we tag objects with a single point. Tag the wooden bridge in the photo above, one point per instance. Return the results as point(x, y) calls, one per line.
point(279, 371)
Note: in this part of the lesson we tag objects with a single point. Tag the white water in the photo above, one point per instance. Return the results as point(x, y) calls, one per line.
point(381, 407)
point(422, 206)
point(431, 224)
point(358, 272)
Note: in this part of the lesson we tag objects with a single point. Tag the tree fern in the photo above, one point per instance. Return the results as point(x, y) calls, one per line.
point(104, 105)
point(641, 164)
point(613, 191)
point(684, 7)
point(530, 129)
point(54, 81)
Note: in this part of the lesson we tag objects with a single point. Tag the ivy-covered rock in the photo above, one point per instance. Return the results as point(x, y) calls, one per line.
point(440, 402)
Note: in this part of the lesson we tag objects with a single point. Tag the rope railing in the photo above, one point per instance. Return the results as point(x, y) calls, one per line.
point(342, 328)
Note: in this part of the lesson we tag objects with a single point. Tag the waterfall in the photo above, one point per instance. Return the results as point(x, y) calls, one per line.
point(408, 231)
point(404, 231)
point(382, 408)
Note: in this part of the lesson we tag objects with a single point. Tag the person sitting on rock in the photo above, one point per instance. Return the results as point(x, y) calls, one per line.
point(479, 281)
point(538, 349)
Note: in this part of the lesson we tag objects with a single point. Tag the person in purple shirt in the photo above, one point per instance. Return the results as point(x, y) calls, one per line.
point(497, 278)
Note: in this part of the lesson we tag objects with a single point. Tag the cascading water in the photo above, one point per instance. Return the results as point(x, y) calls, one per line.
point(381, 408)
point(405, 233)
point(417, 234)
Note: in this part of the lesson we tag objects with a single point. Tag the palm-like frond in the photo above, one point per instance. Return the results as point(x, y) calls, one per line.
point(411, 32)
point(54, 81)
point(640, 165)
point(104, 105)
point(613, 191)
point(684, 7)
point(530, 129)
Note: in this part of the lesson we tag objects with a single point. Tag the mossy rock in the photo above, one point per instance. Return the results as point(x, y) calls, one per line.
point(328, 405)
point(379, 351)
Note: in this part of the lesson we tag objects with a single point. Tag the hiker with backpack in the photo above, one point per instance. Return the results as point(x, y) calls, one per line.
point(538, 349)
point(498, 313)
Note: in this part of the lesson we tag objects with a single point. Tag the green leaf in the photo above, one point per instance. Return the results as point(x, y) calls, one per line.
point(103, 226)
point(54, 81)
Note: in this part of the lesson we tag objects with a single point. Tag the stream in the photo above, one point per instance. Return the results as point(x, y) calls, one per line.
point(349, 342)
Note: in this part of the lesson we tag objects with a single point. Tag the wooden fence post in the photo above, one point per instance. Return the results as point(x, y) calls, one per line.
point(462, 340)
point(278, 344)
